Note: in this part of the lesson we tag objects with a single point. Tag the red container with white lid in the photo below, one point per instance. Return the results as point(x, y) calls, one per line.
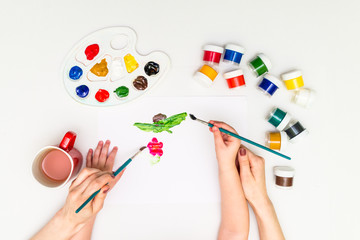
point(212, 54)
point(235, 78)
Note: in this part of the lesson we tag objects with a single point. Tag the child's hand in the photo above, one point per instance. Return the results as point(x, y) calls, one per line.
point(103, 161)
point(89, 181)
point(252, 175)
point(226, 146)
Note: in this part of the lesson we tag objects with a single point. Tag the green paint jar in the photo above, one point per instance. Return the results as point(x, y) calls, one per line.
point(279, 119)
point(260, 65)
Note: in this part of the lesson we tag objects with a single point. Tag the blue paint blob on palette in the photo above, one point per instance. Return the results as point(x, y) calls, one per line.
point(75, 73)
point(82, 91)
point(106, 60)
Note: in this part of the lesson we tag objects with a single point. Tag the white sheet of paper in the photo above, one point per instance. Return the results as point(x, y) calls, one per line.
point(187, 172)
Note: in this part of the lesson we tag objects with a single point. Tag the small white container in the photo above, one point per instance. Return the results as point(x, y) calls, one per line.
point(284, 177)
point(304, 97)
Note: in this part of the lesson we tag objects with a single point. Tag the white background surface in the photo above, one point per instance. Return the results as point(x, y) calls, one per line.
point(319, 37)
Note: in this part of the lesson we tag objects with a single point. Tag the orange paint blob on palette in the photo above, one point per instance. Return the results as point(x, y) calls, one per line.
point(109, 60)
point(100, 69)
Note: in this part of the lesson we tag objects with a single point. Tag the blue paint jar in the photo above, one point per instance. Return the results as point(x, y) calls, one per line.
point(75, 73)
point(269, 85)
point(82, 91)
point(233, 53)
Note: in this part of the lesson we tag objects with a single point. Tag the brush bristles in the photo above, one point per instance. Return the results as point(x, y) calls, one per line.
point(192, 117)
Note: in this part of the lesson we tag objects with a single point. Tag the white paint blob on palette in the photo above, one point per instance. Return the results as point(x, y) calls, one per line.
point(104, 68)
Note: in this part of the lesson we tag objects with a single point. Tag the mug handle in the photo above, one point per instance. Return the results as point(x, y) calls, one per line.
point(67, 143)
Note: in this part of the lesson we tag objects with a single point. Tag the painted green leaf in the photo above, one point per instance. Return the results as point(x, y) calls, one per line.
point(162, 125)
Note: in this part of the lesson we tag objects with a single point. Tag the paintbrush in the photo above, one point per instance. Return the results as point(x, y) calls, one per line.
point(115, 174)
point(240, 137)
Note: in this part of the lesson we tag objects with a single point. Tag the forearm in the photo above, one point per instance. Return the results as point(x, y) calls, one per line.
point(234, 209)
point(268, 223)
point(86, 231)
point(58, 228)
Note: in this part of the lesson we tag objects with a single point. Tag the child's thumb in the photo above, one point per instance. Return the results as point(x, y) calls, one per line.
point(244, 163)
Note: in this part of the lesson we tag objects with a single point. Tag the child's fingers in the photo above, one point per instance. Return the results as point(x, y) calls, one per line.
point(104, 153)
point(98, 201)
point(109, 164)
point(96, 156)
point(96, 183)
point(84, 174)
point(88, 158)
point(224, 126)
point(219, 142)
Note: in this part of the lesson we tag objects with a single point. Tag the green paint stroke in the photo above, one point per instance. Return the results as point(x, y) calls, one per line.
point(162, 125)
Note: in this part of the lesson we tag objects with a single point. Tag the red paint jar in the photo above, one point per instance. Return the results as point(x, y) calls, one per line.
point(235, 78)
point(212, 54)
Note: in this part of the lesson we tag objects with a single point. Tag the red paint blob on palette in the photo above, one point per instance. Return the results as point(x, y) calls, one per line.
point(155, 147)
point(91, 51)
point(102, 95)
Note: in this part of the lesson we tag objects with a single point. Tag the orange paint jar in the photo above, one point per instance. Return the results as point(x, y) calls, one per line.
point(276, 140)
point(206, 75)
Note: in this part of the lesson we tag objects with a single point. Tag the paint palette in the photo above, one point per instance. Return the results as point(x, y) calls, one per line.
point(104, 68)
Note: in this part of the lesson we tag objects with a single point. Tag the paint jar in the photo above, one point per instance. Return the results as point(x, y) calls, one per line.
point(284, 177)
point(276, 140)
point(233, 53)
point(212, 54)
point(279, 119)
point(293, 79)
point(235, 78)
point(304, 97)
point(295, 131)
point(206, 75)
point(269, 85)
point(260, 65)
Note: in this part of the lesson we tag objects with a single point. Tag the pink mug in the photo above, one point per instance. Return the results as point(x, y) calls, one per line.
point(55, 166)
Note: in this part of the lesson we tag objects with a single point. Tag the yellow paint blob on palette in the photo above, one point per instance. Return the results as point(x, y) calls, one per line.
point(104, 68)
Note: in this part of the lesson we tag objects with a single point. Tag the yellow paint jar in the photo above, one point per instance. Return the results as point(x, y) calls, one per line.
point(206, 75)
point(293, 79)
point(276, 140)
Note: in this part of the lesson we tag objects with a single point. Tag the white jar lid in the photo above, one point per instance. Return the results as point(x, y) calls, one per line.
point(266, 60)
point(203, 79)
point(213, 48)
point(284, 122)
point(291, 75)
point(233, 74)
point(273, 79)
point(284, 171)
point(236, 48)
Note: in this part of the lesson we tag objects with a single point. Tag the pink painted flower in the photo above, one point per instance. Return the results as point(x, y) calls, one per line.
point(155, 147)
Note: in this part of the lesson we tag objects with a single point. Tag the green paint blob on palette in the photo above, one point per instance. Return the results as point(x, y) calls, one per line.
point(104, 68)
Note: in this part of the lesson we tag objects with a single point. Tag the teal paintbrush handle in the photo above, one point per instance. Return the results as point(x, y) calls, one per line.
point(87, 201)
point(251, 142)
point(95, 193)
point(122, 167)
